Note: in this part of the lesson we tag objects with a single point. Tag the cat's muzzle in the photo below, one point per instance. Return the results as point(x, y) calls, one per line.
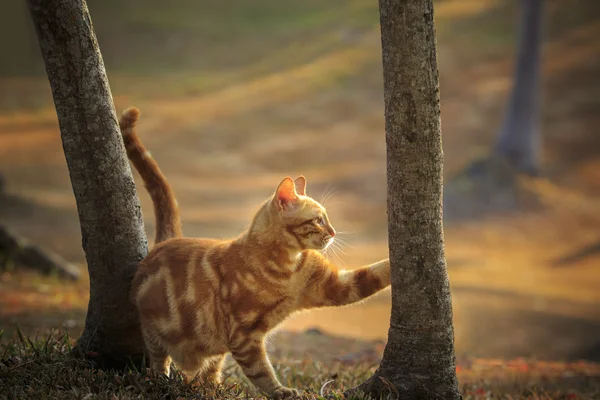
point(327, 242)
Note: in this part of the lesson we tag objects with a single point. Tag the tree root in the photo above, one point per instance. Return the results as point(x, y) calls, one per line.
point(21, 252)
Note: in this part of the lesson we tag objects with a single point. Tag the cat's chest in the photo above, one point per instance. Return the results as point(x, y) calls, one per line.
point(277, 309)
point(263, 307)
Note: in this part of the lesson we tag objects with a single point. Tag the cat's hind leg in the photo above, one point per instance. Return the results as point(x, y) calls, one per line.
point(211, 371)
point(189, 362)
point(160, 361)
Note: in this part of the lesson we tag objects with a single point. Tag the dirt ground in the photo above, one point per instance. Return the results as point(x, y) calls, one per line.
point(524, 283)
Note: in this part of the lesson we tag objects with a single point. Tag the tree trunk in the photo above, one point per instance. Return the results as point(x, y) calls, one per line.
point(519, 138)
point(112, 230)
point(418, 361)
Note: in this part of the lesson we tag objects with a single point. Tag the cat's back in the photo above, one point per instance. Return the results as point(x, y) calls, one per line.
point(175, 258)
point(179, 250)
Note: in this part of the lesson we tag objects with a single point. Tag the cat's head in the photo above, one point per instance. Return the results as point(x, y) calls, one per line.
point(302, 221)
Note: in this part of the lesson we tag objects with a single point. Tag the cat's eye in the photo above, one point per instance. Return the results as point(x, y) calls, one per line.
point(319, 220)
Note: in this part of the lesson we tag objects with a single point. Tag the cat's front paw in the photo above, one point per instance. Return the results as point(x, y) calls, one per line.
point(284, 393)
point(384, 272)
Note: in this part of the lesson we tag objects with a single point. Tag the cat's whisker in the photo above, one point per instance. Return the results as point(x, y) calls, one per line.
point(324, 193)
point(339, 248)
point(330, 197)
point(329, 252)
point(336, 256)
point(340, 237)
point(341, 245)
point(343, 242)
point(333, 245)
point(327, 195)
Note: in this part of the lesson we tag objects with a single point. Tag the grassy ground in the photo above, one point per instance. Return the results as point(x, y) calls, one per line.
point(42, 369)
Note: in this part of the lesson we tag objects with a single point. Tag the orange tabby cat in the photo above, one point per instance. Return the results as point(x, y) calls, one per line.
point(199, 299)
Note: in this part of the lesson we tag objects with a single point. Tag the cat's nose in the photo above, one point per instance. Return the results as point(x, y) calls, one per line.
point(331, 231)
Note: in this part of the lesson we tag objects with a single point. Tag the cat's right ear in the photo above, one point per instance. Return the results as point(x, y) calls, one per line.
point(300, 183)
point(285, 195)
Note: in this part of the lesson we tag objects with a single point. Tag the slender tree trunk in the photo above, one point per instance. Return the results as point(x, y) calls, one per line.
point(519, 138)
point(109, 211)
point(418, 361)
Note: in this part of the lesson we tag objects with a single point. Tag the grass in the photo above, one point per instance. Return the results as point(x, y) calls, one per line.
point(42, 368)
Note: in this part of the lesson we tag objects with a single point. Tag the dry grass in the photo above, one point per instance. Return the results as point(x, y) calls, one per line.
point(43, 369)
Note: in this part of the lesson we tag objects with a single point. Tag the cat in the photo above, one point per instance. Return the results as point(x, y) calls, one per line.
point(199, 299)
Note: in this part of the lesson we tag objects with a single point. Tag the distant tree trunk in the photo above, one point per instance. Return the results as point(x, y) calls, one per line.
point(109, 211)
point(418, 361)
point(519, 138)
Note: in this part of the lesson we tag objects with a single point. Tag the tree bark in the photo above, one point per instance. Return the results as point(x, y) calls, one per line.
point(418, 361)
point(519, 138)
point(112, 230)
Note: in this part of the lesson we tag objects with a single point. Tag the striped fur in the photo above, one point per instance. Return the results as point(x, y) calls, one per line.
point(199, 299)
point(166, 211)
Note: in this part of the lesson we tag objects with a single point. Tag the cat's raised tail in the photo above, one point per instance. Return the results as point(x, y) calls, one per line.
point(166, 211)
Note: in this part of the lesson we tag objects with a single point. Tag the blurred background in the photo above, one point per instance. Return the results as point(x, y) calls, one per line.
point(237, 95)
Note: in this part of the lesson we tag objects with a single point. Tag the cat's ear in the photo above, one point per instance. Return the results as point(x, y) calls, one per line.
point(285, 195)
point(300, 183)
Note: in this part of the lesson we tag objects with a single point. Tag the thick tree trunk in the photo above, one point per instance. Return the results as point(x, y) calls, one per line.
point(418, 362)
point(109, 211)
point(519, 138)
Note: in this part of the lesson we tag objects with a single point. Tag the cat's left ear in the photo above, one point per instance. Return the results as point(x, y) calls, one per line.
point(285, 195)
point(300, 183)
